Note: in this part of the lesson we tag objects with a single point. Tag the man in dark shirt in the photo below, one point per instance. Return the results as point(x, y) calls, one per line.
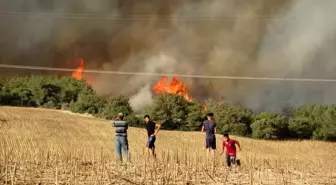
point(209, 126)
point(152, 130)
point(121, 127)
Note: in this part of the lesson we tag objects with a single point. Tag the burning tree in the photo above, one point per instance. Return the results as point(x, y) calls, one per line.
point(78, 73)
point(175, 87)
point(176, 112)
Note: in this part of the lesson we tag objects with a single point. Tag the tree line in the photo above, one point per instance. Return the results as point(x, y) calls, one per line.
point(172, 111)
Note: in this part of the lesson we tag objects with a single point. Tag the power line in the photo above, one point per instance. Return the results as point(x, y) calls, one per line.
point(167, 74)
point(131, 17)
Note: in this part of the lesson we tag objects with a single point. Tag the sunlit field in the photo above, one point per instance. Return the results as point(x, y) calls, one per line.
point(54, 147)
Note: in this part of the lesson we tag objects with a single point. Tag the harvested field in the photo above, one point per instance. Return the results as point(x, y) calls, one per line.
point(40, 146)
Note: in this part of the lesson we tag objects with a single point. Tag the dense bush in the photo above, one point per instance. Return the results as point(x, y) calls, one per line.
point(61, 93)
point(173, 111)
point(314, 121)
point(301, 127)
point(195, 116)
point(111, 106)
point(134, 121)
point(170, 110)
point(269, 126)
point(86, 101)
point(39, 90)
point(231, 119)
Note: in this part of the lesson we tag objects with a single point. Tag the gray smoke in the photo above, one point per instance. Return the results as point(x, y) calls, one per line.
point(278, 38)
point(142, 99)
point(299, 43)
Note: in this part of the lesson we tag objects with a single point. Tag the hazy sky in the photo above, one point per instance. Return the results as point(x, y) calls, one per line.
point(278, 38)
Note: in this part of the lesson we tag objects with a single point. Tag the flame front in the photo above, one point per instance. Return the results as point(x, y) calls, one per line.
point(161, 85)
point(78, 74)
point(175, 87)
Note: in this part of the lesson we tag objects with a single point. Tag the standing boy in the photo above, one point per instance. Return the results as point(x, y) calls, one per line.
point(209, 126)
point(152, 130)
point(231, 151)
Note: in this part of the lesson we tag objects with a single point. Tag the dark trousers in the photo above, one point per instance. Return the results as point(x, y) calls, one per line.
point(230, 159)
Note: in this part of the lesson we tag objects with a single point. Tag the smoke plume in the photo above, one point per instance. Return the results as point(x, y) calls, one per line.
point(299, 43)
point(278, 38)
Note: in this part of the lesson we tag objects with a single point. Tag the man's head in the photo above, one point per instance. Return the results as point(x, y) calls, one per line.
point(147, 118)
point(226, 137)
point(210, 116)
point(120, 116)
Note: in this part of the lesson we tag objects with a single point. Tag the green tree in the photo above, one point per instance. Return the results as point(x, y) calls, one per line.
point(195, 116)
point(269, 126)
point(219, 110)
point(114, 105)
point(235, 120)
point(9, 99)
point(87, 102)
point(15, 91)
point(314, 121)
point(71, 88)
point(326, 129)
point(170, 110)
point(51, 94)
point(134, 121)
point(301, 127)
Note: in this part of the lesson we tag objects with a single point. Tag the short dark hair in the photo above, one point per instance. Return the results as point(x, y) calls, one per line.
point(226, 135)
point(147, 116)
point(210, 114)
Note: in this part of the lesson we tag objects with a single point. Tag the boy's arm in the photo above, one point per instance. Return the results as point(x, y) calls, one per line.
point(158, 126)
point(203, 128)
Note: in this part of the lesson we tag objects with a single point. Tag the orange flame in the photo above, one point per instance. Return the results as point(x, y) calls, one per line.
point(175, 87)
point(78, 74)
point(161, 85)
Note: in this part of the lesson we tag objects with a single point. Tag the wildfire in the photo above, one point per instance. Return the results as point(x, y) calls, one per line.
point(78, 74)
point(175, 87)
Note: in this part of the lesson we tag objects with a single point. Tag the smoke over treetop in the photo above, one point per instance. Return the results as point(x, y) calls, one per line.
point(209, 37)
